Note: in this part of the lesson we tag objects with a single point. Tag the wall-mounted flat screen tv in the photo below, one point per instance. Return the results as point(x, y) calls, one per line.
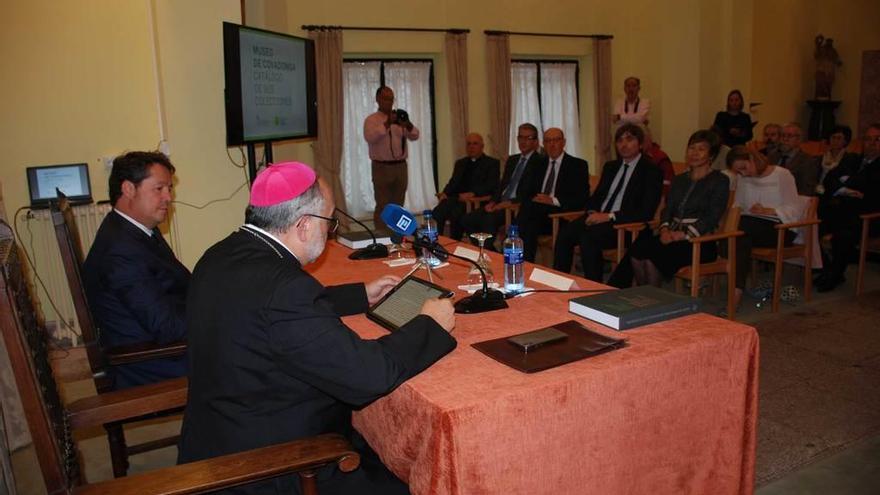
point(270, 85)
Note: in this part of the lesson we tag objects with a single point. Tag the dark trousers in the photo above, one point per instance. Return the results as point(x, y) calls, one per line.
point(533, 221)
point(841, 220)
point(592, 239)
point(759, 232)
point(450, 209)
point(389, 186)
point(480, 220)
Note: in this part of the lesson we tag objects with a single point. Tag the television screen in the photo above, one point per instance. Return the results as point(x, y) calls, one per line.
point(72, 180)
point(270, 85)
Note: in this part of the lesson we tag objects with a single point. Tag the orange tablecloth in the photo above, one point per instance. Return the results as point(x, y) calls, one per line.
point(674, 412)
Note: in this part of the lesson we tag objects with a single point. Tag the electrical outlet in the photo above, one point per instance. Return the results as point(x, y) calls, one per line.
point(165, 147)
point(108, 163)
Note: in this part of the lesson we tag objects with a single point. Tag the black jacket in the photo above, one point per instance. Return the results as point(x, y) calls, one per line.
point(479, 177)
point(572, 185)
point(641, 196)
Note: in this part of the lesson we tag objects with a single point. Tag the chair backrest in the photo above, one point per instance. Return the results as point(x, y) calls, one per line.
point(26, 343)
point(594, 183)
point(812, 208)
point(730, 220)
point(67, 234)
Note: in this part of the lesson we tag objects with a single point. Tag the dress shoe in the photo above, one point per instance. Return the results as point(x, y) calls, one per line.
point(830, 283)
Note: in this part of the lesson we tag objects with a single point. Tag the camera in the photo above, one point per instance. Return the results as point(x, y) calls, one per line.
point(402, 116)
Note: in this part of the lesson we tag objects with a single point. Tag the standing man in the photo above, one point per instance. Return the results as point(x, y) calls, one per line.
point(386, 132)
point(561, 183)
point(491, 215)
point(803, 167)
point(474, 175)
point(628, 191)
point(632, 109)
point(135, 286)
point(271, 360)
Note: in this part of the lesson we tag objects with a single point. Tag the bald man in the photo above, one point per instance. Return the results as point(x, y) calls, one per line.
point(477, 174)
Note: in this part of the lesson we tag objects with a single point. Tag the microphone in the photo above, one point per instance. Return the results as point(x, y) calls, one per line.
point(402, 222)
point(371, 252)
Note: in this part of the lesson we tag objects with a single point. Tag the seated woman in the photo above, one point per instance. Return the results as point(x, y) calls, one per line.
point(694, 206)
point(837, 142)
point(767, 195)
point(734, 125)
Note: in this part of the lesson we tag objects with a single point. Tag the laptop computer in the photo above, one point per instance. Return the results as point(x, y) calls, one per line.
point(71, 179)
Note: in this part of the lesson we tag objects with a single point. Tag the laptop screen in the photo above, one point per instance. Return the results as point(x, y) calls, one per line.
point(72, 180)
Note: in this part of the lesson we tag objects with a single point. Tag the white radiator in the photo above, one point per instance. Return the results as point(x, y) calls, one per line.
point(43, 248)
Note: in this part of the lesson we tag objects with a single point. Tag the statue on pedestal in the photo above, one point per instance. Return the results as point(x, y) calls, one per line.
point(827, 61)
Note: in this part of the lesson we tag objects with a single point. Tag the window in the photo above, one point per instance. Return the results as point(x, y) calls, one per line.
point(545, 93)
point(413, 85)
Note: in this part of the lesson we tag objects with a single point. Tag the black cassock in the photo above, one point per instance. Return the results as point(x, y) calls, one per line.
point(271, 361)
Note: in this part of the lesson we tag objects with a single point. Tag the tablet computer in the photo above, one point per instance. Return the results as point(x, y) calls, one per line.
point(403, 303)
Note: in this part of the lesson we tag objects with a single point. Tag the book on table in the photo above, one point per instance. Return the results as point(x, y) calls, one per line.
point(361, 239)
point(633, 307)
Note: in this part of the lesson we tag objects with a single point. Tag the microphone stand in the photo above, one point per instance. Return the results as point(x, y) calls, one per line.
point(480, 301)
point(371, 252)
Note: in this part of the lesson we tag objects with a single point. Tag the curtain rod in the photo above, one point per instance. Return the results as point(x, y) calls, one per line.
point(312, 27)
point(550, 35)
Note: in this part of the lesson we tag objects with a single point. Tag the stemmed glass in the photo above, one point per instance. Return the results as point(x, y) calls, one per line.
point(474, 276)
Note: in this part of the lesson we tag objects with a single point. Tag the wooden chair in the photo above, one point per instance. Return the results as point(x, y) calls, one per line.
point(782, 252)
point(721, 265)
point(866, 245)
point(67, 234)
point(475, 202)
point(52, 425)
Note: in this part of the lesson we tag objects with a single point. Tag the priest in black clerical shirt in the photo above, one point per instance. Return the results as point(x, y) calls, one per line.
point(474, 175)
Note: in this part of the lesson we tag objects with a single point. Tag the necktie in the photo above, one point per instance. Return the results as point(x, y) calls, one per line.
point(514, 179)
point(548, 186)
point(610, 204)
point(163, 248)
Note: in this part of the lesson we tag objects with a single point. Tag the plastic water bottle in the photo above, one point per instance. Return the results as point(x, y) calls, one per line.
point(514, 278)
point(428, 232)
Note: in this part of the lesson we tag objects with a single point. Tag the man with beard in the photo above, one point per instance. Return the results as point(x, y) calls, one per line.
point(270, 359)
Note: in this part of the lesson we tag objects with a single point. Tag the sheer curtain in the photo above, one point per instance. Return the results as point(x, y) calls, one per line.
point(411, 82)
point(524, 100)
point(559, 103)
point(360, 80)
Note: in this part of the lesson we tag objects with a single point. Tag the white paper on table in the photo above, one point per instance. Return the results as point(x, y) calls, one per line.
point(466, 253)
point(551, 279)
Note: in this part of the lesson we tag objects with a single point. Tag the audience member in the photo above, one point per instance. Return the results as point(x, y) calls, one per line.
point(271, 360)
point(560, 183)
point(767, 196)
point(491, 216)
point(803, 167)
point(837, 142)
point(135, 286)
point(386, 135)
point(660, 158)
point(474, 175)
point(695, 205)
point(734, 125)
point(631, 109)
point(772, 135)
point(628, 191)
point(851, 189)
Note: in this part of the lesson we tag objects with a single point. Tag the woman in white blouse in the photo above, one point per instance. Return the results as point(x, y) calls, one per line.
point(767, 196)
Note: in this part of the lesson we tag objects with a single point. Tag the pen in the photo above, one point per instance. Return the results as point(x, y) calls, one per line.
point(447, 295)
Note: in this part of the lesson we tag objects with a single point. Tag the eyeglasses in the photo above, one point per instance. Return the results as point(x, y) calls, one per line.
point(526, 138)
point(872, 138)
point(334, 221)
point(553, 140)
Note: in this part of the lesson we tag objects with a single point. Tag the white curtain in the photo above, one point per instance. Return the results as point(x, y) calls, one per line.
point(411, 82)
point(559, 103)
point(524, 96)
point(360, 80)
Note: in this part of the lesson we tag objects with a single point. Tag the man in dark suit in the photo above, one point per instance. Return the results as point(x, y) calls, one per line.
point(803, 167)
point(561, 183)
point(270, 359)
point(474, 175)
point(135, 286)
point(491, 215)
point(628, 191)
point(851, 189)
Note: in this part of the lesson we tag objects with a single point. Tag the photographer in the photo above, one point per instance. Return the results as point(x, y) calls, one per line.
point(386, 132)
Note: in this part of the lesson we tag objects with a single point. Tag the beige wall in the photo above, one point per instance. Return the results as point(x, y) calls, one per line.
point(79, 79)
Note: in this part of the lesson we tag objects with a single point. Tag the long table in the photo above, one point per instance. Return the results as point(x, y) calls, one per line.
point(673, 412)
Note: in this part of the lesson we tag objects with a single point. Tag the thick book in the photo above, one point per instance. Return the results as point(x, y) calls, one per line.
point(633, 307)
point(360, 239)
point(549, 347)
